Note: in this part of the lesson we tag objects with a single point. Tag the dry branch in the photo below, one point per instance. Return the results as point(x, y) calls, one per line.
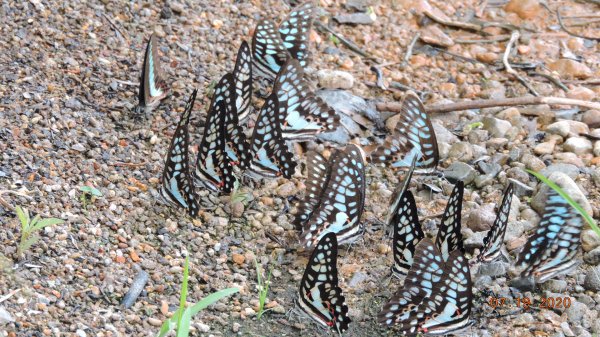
point(514, 36)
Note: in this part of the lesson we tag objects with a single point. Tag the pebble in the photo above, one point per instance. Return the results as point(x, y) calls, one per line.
point(532, 162)
point(592, 257)
point(591, 118)
point(493, 269)
point(568, 68)
point(589, 240)
point(568, 169)
point(286, 189)
point(525, 9)
point(5, 316)
point(154, 321)
point(482, 218)
point(521, 189)
point(581, 93)
point(544, 148)
point(432, 34)
point(578, 145)
point(460, 171)
point(335, 79)
point(576, 311)
point(597, 149)
point(462, 151)
point(496, 127)
point(556, 286)
point(564, 128)
point(238, 258)
point(356, 18)
point(79, 147)
point(568, 185)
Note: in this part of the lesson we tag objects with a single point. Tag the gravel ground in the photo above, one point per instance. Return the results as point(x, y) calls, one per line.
point(68, 83)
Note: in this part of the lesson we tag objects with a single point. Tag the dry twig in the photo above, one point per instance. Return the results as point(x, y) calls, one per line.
point(411, 45)
point(562, 25)
point(351, 45)
point(114, 25)
point(514, 36)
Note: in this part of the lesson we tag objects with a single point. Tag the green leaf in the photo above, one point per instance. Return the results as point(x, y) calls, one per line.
point(23, 216)
point(334, 40)
point(47, 222)
point(570, 200)
point(169, 324)
point(184, 290)
point(90, 190)
point(27, 242)
point(183, 329)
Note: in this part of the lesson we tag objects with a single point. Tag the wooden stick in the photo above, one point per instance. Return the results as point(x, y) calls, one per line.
point(514, 36)
point(458, 24)
point(491, 103)
point(562, 25)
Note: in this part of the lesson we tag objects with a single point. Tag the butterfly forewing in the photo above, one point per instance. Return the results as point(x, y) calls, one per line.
point(243, 81)
point(177, 187)
point(392, 217)
point(295, 29)
point(320, 297)
point(493, 240)
point(317, 176)
point(268, 51)
point(152, 86)
point(414, 137)
point(213, 168)
point(342, 202)
point(449, 236)
point(551, 250)
point(236, 144)
point(407, 234)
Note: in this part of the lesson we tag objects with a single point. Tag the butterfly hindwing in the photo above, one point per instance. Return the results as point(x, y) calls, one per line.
point(396, 197)
point(320, 297)
point(152, 85)
point(495, 237)
point(242, 74)
point(268, 52)
point(449, 236)
point(407, 234)
point(177, 187)
point(295, 29)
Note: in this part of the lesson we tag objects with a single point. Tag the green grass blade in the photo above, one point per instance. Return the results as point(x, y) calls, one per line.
point(568, 198)
point(169, 324)
point(184, 290)
point(212, 298)
point(23, 216)
point(47, 222)
point(183, 330)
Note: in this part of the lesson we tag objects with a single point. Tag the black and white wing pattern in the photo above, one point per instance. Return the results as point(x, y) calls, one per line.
point(449, 237)
point(495, 237)
point(270, 154)
point(392, 216)
point(437, 295)
point(342, 203)
point(407, 234)
point(213, 168)
point(273, 46)
point(242, 75)
point(551, 250)
point(305, 114)
point(176, 187)
point(414, 137)
point(319, 296)
point(152, 85)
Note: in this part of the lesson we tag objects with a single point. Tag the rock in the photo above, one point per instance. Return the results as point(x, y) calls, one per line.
point(460, 171)
point(589, 240)
point(176, 7)
point(511, 114)
point(482, 218)
point(5, 316)
point(567, 127)
point(432, 34)
point(591, 118)
point(154, 321)
point(525, 9)
point(532, 162)
point(474, 240)
point(79, 147)
point(555, 286)
point(286, 189)
point(578, 145)
point(442, 134)
point(137, 286)
point(356, 18)
point(238, 258)
point(335, 79)
point(569, 158)
point(462, 151)
point(489, 168)
point(237, 209)
point(597, 149)
point(568, 185)
point(521, 189)
point(73, 103)
point(523, 283)
point(569, 169)
point(592, 257)
point(544, 148)
point(514, 230)
point(576, 311)
point(581, 93)
point(570, 69)
point(496, 127)
point(487, 57)
point(493, 269)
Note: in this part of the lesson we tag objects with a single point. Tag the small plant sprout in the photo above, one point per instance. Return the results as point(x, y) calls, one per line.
point(239, 196)
point(89, 195)
point(334, 39)
point(182, 318)
point(30, 228)
point(263, 288)
point(475, 125)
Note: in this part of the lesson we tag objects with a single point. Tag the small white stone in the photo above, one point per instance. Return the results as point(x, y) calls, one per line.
point(578, 145)
point(335, 79)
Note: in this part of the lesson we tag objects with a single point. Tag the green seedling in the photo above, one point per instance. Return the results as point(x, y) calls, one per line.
point(263, 289)
point(475, 125)
point(210, 90)
point(238, 195)
point(334, 39)
point(30, 228)
point(89, 195)
point(181, 319)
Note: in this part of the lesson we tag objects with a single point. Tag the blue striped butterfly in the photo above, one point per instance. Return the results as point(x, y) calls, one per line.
point(449, 237)
point(270, 154)
point(317, 175)
point(242, 75)
point(395, 202)
point(414, 137)
point(437, 295)
point(552, 248)
point(319, 295)
point(152, 85)
point(176, 187)
point(213, 168)
point(305, 114)
point(495, 237)
point(342, 201)
point(272, 46)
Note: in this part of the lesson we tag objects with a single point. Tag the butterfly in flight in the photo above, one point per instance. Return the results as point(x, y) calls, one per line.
point(272, 45)
point(437, 296)
point(305, 114)
point(242, 75)
point(319, 295)
point(414, 137)
point(213, 168)
point(408, 232)
point(152, 85)
point(551, 250)
point(495, 237)
point(270, 154)
point(177, 188)
point(392, 216)
point(341, 200)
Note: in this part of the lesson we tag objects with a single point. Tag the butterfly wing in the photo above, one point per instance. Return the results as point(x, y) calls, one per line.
point(295, 29)
point(177, 187)
point(152, 87)
point(552, 248)
point(414, 137)
point(493, 240)
point(237, 148)
point(271, 157)
point(242, 74)
point(319, 296)
point(268, 51)
point(396, 197)
point(407, 234)
point(305, 114)
point(449, 236)
point(342, 202)
point(213, 169)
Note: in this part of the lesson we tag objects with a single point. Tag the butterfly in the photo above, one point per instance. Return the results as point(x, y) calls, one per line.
point(408, 232)
point(319, 296)
point(341, 200)
point(242, 75)
point(152, 86)
point(270, 154)
point(177, 188)
point(317, 175)
point(305, 114)
point(552, 248)
point(437, 295)
point(392, 216)
point(213, 168)
point(272, 46)
point(493, 240)
point(414, 137)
